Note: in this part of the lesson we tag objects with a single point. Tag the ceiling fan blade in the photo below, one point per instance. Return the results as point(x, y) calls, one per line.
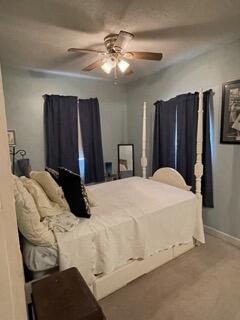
point(128, 72)
point(143, 56)
point(84, 50)
point(94, 65)
point(122, 40)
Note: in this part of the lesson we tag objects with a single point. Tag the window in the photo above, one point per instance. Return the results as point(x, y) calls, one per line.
point(80, 152)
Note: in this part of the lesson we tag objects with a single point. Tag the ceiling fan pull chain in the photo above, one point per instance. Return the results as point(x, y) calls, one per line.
point(115, 76)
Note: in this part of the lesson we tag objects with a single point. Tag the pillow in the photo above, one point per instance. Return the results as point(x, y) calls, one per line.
point(90, 197)
point(75, 193)
point(53, 173)
point(45, 206)
point(28, 218)
point(51, 188)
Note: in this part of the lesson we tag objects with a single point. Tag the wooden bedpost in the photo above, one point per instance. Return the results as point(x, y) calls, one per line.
point(198, 168)
point(144, 158)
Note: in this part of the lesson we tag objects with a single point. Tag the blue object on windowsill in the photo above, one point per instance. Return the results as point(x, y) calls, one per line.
point(108, 169)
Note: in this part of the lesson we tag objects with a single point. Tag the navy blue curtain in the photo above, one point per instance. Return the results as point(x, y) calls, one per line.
point(164, 135)
point(207, 179)
point(61, 132)
point(184, 120)
point(89, 116)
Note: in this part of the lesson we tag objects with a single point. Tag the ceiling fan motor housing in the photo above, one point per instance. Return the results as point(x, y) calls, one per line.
point(109, 42)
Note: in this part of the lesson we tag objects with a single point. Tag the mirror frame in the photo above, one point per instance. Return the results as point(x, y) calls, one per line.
point(125, 144)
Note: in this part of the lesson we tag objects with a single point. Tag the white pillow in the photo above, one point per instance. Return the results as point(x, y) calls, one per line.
point(52, 189)
point(45, 206)
point(28, 218)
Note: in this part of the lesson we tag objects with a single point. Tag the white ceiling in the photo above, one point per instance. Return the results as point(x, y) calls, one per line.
point(36, 34)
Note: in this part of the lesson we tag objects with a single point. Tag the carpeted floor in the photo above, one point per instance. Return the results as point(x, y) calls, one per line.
point(202, 284)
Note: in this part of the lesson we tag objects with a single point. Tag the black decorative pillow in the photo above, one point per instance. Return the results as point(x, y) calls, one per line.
point(75, 193)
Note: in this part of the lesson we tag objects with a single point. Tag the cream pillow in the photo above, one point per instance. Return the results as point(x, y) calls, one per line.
point(28, 218)
point(45, 206)
point(52, 189)
point(90, 196)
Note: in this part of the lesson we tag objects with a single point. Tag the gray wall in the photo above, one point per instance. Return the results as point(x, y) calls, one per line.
point(121, 114)
point(24, 107)
point(209, 70)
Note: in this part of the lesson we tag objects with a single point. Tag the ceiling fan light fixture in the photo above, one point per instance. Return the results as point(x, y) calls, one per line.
point(123, 65)
point(107, 67)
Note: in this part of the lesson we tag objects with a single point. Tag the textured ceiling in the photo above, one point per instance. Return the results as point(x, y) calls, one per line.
point(35, 34)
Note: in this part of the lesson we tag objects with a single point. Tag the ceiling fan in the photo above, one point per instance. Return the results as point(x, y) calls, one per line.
point(114, 56)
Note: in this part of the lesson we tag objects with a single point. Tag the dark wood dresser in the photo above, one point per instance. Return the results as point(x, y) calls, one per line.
point(65, 296)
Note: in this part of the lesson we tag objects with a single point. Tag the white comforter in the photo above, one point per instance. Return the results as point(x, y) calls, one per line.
point(134, 218)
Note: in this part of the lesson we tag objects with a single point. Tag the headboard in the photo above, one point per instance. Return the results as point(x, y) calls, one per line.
point(171, 177)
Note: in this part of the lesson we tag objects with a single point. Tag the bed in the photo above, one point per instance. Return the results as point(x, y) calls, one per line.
point(137, 225)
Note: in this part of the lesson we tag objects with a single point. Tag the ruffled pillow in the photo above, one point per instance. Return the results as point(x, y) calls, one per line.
point(28, 218)
point(45, 206)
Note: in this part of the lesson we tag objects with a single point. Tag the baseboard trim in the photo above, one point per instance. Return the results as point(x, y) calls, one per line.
point(222, 235)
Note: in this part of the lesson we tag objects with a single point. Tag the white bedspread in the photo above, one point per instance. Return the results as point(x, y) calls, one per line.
point(134, 218)
point(39, 258)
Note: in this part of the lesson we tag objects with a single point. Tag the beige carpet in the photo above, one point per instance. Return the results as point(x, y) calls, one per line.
point(202, 284)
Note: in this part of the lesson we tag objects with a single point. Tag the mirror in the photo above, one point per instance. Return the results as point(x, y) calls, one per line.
point(125, 160)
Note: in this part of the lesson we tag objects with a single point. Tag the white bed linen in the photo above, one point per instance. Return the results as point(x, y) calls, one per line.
point(38, 258)
point(134, 218)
